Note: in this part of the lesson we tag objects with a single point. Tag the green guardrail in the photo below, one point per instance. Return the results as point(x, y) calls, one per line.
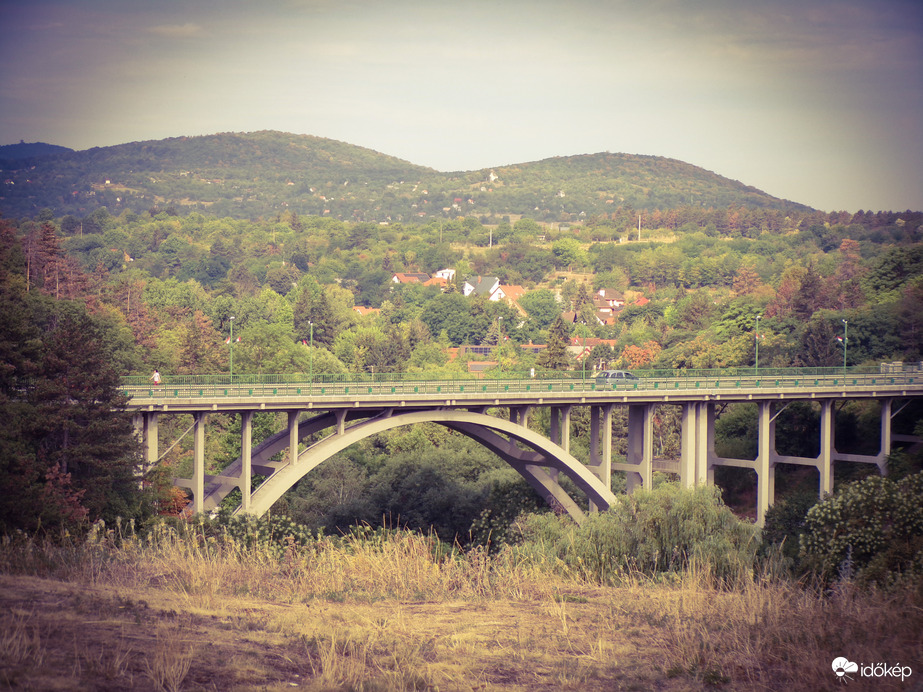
point(304, 385)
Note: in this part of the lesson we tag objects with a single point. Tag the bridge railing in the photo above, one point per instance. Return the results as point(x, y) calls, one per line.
point(367, 384)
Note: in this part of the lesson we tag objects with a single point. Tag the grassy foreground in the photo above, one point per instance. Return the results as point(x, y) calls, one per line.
point(174, 613)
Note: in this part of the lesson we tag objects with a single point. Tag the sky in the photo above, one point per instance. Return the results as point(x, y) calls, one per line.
point(815, 101)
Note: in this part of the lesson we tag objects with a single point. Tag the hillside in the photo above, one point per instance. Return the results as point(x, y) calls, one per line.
point(29, 150)
point(264, 173)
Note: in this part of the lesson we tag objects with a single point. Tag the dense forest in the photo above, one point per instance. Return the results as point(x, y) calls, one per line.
point(90, 298)
point(90, 293)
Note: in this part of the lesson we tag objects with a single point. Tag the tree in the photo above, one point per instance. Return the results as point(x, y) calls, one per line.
point(640, 356)
point(808, 298)
point(568, 253)
point(312, 314)
point(201, 347)
point(369, 349)
point(819, 347)
point(746, 281)
point(282, 278)
point(270, 348)
point(910, 319)
point(68, 451)
point(542, 307)
point(554, 356)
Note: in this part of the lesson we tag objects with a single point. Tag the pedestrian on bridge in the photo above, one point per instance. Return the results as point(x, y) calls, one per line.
point(156, 377)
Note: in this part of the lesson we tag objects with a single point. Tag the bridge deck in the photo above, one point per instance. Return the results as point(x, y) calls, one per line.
point(216, 394)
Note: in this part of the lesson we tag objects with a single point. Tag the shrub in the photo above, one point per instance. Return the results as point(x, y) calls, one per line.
point(665, 530)
point(871, 530)
point(785, 524)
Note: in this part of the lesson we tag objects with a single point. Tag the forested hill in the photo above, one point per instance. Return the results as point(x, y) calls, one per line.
point(29, 150)
point(262, 173)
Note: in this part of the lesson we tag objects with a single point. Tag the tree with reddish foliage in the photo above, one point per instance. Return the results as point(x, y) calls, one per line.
point(640, 356)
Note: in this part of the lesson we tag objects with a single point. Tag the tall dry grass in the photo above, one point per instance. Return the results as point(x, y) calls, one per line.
point(763, 632)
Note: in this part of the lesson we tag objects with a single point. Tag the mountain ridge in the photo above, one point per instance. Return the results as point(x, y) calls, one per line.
point(268, 172)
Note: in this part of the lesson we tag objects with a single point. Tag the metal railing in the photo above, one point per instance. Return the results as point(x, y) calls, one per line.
point(360, 385)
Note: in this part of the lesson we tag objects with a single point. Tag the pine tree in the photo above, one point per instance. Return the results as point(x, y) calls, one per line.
point(81, 433)
point(554, 355)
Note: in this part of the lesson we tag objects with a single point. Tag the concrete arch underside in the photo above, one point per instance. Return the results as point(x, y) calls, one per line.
point(539, 463)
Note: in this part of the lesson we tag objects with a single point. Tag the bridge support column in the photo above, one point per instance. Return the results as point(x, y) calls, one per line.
point(145, 424)
point(885, 436)
point(560, 426)
point(640, 446)
point(151, 433)
point(246, 459)
point(825, 460)
point(697, 455)
point(704, 443)
point(292, 437)
point(198, 468)
point(765, 468)
point(687, 446)
point(520, 415)
point(560, 431)
point(601, 459)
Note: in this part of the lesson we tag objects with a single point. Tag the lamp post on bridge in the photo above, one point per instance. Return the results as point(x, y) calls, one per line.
point(584, 354)
point(311, 354)
point(499, 344)
point(845, 346)
point(757, 337)
point(231, 344)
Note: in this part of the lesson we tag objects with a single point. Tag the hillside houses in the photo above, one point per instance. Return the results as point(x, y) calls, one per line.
point(607, 302)
point(486, 286)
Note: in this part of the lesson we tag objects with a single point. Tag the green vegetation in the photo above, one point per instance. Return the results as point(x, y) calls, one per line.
point(155, 289)
point(416, 559)
point(664, 531)
point(871, 531)
point(247, 175)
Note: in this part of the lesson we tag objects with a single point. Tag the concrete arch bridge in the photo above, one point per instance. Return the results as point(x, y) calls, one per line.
point(496, 413)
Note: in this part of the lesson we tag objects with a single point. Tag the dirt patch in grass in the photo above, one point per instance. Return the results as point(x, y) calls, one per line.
point(68, 636)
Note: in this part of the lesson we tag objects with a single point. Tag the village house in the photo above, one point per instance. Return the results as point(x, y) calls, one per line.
point(409, 278)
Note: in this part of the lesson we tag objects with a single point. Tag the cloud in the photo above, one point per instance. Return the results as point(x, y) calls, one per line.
point(187, 30)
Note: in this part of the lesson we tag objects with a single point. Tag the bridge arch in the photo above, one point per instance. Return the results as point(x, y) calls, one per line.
point(538, 465)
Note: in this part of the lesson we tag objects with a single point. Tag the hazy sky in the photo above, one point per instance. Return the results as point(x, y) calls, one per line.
point(820, 102)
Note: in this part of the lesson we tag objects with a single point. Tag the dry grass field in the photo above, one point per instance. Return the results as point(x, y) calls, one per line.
point(170, 613)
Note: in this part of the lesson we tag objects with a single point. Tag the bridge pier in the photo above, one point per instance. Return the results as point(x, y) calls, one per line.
point(639, 457)
point(697, 453)
point(198, 474)
point(765, 465)
point(145, 425)
point(292, 437)
point(246, 459)
point(601, 446)
point(559, 431)
point(560, 426)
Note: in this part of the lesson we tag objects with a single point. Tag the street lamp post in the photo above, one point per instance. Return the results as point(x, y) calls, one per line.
point(231, 343)
point(758, 345)
point(845, 345)
point(499, 343)
point(583, 333)
point(311, 354)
